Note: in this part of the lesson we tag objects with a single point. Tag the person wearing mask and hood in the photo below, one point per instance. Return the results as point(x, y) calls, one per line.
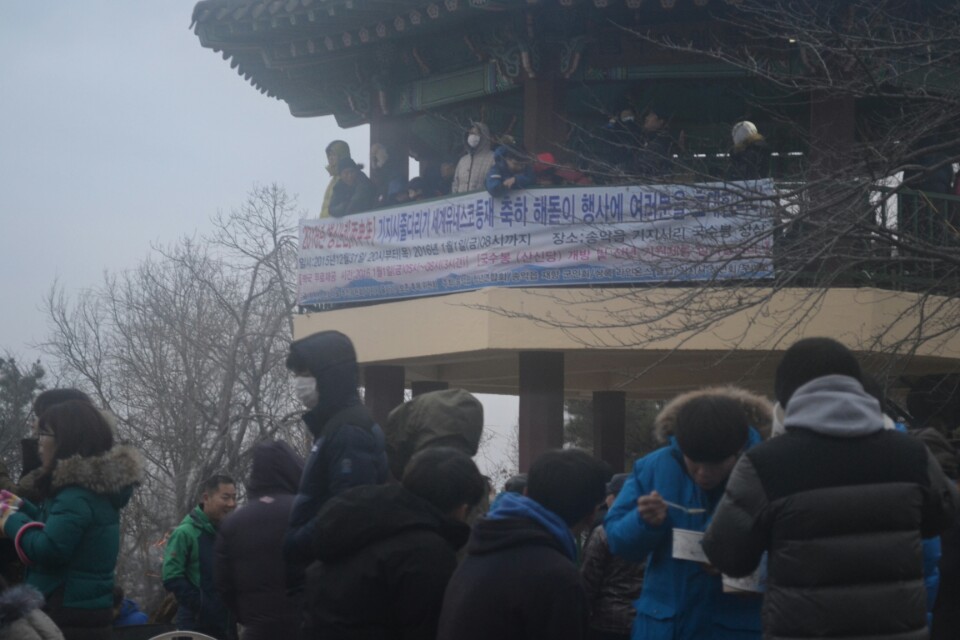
point(248, 566)
point(348, 445)
point(336, 151)
point(472, 169)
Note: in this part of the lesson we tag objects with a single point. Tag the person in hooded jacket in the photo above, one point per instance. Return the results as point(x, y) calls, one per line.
point(354, 193)
point(348, 445)
point(511, 170)
point(471, 172)
point(839, 503)
point(22, 616)
point(336, 151)
point(446, 418)
point(386, 552)
point(519, 580)
point(126, 611)
point(70, 544)
point(248, 567)
point(11, 569)
point(679, 487)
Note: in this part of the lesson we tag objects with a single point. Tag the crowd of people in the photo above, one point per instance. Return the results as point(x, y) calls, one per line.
point(632, 151)
point(813, 516)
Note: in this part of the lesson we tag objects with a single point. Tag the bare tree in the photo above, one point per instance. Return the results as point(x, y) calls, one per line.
point(187, 351)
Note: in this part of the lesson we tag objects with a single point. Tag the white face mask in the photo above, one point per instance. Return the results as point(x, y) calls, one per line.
point(473, 140)
point(306, 389)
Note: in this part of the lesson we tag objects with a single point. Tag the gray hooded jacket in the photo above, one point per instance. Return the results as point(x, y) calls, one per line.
point(472, 169)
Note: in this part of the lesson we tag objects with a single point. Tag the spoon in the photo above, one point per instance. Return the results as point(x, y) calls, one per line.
point(688, 510)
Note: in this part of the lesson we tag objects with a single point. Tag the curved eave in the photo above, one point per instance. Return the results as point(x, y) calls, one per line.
point(458, 339)
point(274, 44)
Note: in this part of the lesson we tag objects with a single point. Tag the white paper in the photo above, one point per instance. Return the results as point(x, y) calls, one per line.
point(687, 545)
point(755, 582)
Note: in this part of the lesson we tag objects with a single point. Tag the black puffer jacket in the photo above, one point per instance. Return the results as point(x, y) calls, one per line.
point(248, 570)
point(842, 505)
point(385, 557)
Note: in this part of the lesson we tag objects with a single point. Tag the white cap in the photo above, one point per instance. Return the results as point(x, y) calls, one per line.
point(743, 131)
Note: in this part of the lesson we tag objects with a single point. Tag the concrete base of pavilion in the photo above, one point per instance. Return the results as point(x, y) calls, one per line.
point(612, 344)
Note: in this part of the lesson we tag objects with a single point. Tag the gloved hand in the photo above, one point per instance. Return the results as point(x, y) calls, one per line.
point(6, 510)
point(10, 499)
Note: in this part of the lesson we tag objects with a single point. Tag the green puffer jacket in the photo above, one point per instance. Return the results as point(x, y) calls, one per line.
point(73, 540)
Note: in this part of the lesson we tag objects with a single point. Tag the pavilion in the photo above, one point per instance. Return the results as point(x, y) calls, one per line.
point(548, 72)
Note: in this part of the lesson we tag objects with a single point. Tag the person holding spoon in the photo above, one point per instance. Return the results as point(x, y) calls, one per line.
point(677, 487)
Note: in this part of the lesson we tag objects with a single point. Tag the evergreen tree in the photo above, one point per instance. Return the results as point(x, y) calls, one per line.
point(19, 385)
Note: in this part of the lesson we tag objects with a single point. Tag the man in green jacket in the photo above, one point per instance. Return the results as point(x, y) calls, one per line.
point(188, 562)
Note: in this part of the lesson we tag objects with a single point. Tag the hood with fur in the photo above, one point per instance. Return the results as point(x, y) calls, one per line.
point(111, 474)
point(21, 618)
point(758, 409)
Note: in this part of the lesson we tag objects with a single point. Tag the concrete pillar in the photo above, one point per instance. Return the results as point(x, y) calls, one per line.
point(543, 127)
point(541, 404)
point(426, 386)
point(383, 390)
point(609, 427)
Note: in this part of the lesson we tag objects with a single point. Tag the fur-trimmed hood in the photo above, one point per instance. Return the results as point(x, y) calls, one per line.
point(111, 473)
point(18, 601)
point(21, 617)
point(758, 409)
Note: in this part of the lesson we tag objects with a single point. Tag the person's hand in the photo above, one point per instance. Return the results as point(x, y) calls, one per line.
point(6, 510)
point(11, 499)
point(652, 509)
point(509, 182)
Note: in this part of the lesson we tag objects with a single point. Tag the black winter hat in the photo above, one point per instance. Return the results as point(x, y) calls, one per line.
point(809, 359)
point(616, 483)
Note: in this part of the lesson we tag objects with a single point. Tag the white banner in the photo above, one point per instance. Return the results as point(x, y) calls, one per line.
point(541, 237)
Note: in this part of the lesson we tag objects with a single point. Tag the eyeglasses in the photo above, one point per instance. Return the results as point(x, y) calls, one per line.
point(46, 434)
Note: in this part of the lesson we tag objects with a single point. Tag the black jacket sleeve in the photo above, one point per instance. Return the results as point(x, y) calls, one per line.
point(736, 538)
point(940, 501)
